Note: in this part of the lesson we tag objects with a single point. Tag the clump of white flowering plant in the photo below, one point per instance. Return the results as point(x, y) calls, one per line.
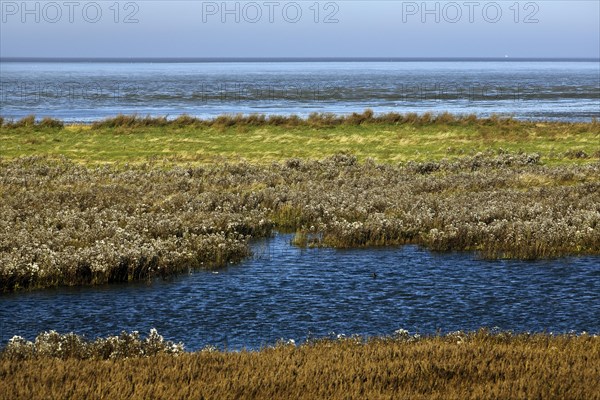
point(66, 224)
point(70, 345)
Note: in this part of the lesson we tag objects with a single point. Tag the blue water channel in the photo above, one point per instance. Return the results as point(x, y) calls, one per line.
point(284, 292)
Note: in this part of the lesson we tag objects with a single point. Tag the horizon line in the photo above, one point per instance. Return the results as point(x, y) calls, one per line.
point(285, 59)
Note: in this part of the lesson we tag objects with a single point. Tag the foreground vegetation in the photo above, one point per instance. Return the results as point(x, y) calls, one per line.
point(387, 138)
point(478, 365)
point(62, 223)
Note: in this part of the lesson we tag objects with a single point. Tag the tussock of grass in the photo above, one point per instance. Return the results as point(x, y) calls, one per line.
point(66, 224)
point(31, 122)
point(477, 365)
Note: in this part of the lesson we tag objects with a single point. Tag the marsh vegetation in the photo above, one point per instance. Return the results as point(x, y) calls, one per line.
point(68, 224)
point(387, 138)
point(476, 365)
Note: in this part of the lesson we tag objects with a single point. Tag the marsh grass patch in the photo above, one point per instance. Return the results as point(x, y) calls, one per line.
point(468, 365)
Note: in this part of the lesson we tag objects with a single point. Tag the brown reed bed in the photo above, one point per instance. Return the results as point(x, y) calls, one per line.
point(315, 120)
point(66, 224)
point(477, 365)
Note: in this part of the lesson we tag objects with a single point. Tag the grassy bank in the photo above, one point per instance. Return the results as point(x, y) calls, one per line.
point(478, 365)
point(387, 138)
point(62, 223)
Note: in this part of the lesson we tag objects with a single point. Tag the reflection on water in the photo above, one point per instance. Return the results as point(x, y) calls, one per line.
point(285, 292)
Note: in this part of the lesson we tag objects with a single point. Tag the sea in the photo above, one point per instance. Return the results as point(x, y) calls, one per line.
point(87, 90)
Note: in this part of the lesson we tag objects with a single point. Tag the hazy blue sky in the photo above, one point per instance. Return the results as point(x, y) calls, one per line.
point(65, 28)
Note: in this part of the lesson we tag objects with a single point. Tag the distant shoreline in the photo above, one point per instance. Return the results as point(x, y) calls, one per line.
point(290, 59)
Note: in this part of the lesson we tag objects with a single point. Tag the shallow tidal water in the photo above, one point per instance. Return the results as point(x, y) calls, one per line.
point(89, 91)
point(284, 292)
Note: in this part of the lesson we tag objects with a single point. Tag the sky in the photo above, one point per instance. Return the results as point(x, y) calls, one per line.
point(269, 28)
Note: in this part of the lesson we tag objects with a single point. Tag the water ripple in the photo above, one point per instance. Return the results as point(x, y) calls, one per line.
point(285, 292)
point(91, 91)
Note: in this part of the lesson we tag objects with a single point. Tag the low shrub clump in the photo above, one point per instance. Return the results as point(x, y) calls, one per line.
point(476, 365)
point(66, 224)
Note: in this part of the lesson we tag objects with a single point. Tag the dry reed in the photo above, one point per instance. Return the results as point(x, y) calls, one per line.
point(478, 365)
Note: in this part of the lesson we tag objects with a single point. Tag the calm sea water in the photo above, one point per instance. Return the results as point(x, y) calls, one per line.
point(291, 293)
point(87, 91)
